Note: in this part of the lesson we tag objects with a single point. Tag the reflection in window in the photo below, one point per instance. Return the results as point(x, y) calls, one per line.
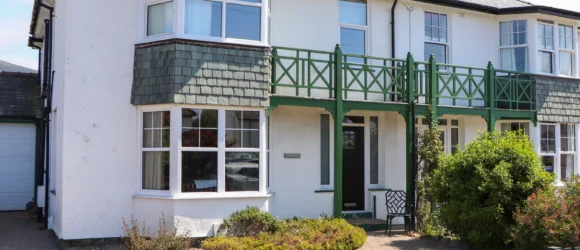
point(242, 171)
point(524, 127)
point(566, 166)
point(199, 171)
point(513, 33)
point(568, 137)
point(199, 128)
point(203, 18)
point(548, 162)
point(548, 138)
point(436, 37)
point(242, 129)
point(353, 21)
point(160, 18)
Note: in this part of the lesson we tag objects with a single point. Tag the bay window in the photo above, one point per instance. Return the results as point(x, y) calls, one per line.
point(155, 150)
point(231, 21)
point(558, 149)
point(513, 45)
point(217, 150)
point(566, 49)
point(546, 47)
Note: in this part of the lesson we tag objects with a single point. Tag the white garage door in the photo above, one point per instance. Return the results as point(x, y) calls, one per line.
point(17, 151)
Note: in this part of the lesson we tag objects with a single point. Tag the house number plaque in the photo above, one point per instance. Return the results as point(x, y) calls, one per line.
point(292, 156)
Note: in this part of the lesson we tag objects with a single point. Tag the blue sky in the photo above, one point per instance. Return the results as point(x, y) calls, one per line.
point(15, 22)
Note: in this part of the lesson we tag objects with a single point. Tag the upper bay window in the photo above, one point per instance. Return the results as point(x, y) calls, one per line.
point(216, 150)
point(514, 45)
point(566, 49)
point(230, 21)
point(353, 28)
point(546, 47)
point(436, 40)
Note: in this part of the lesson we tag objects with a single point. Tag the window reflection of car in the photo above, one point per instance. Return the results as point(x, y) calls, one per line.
point(242, 172)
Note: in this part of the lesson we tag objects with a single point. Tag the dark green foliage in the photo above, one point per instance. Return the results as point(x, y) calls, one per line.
point(430, 150)
point(480, 188)
point(297, 233)
point(550, 217)
point(249, 222)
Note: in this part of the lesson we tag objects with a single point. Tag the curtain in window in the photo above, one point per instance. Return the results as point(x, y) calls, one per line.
point(566, 63)
point(160, 18)
point(154, 171)
point(515, 59)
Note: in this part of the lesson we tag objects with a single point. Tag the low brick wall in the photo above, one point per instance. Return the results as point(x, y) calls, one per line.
point(178, 71)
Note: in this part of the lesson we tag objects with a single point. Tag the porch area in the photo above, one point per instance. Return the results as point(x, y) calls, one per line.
point(403, 94)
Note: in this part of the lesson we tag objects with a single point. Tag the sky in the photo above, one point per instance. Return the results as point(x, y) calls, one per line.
point(15, 23)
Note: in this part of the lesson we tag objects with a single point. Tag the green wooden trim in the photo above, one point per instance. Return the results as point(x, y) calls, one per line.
point(276, 101)
point(324, 191)
point(376, 106)
point(410, 180)
point(338, 117)
point(379, 189)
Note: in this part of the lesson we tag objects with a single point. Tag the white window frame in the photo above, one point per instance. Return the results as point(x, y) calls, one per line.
point(558, 148)
point(567, 50)
point(176, 149)
point(526, 45)
point(552, 51)
point(446, 44)
point(364, 28)
point(143, 149)
point(446, 129)
point(179, 23)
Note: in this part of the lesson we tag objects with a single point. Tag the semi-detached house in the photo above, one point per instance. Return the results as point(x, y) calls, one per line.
point(199, 108)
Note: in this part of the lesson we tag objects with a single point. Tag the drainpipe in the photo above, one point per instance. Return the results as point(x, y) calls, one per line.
point(40, 135)
point(47, 94)
point(393, 71)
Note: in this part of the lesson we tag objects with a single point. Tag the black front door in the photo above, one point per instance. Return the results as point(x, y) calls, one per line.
point(353, 165)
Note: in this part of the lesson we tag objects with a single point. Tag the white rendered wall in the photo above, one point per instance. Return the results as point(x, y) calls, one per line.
point(293, 181)
point(96, 163)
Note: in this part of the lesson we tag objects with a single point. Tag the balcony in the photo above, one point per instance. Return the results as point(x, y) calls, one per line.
point(321, 76)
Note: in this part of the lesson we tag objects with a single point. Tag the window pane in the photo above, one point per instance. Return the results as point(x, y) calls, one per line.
point(428, 33)
point(438, 50)
point(208, 118)
point(251, 1)
point(208, 138)
point(427, 19)
point(190, 137)
point(155, 170)
point(374, 171)
point(548, 163)
point(566, 166)
point(352, 41)
point(233, 138)
point(251, 139)
point(148, 138)
point(251, 120)
point(199, 172)
point(353, 12)
point(454, 140)
point(549, 43)
point(566, 63)
point(234, 119)
point(443, 21)
point(443, 35)
point(504, 28)
point(156, 129)
point(522, 39)
point(243, 22)
point(549, 31)
point(160, 18)
point(435, 34)
point(203, 18)
point(454, 122)
point(242, 171)
point(148, 120)
point(515, 59)
point(434, 20)
point(324, 149)
point(522, 26)
point(568, 139)
point(569, 43)
point(504, 40)
point(546, 62)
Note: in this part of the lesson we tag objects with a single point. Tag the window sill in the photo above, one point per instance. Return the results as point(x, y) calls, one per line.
point(158, 38)
point(206, 196)
point(556, 75)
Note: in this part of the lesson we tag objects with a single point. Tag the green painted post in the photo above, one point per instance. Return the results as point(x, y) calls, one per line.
point(274, 60)
point(491, 95)
point(410, 131)
point(338, 117)
point(433, 87)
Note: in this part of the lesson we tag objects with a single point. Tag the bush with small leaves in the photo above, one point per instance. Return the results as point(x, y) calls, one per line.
point(481, 187)
point(249, 222)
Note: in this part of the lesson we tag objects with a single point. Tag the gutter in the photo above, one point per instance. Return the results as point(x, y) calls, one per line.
point(506, 11)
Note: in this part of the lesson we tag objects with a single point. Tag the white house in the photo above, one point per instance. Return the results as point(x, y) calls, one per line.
point(199, 108)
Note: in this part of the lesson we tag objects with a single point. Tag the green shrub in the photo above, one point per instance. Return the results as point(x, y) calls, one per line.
point(480, 187)
point(550, 218)
point(140, 238)
point(297, 234)
point(249, 222)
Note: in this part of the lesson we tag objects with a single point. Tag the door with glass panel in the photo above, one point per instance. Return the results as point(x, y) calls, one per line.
point(448, 133)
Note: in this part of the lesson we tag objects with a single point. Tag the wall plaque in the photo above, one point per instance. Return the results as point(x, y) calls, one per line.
point(292, 155)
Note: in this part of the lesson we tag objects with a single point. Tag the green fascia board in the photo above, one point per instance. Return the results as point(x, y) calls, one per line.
point(375, 106)
point(276, 101)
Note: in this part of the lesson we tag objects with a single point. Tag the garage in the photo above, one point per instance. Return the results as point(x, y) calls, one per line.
point(17, 164)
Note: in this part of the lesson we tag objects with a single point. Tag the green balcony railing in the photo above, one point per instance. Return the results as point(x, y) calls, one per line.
point(311, 73)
